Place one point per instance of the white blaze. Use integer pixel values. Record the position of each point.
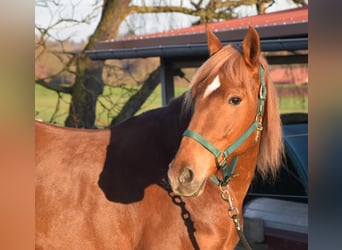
(212, 86)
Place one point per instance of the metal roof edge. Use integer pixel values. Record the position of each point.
(190, 49)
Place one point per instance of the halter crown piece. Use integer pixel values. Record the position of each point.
(221, 156)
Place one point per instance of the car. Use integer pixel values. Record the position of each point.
(292, 180)
(276, 213)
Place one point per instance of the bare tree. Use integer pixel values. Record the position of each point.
(84, 77)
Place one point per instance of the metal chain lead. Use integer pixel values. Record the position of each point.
(232, 210)
(233, 213)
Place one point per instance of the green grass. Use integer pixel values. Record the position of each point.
(108, 105)
(293, 105)
(292, 98)
(45, 105)
(113, 98)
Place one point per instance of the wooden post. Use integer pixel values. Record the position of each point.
(166, 79)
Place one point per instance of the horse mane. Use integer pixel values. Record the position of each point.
(271, 151)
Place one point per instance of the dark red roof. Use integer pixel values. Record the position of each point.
(278, 31)
(275, 18)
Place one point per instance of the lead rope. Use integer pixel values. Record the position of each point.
(233, 213)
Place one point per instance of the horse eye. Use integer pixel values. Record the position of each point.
(235, 100)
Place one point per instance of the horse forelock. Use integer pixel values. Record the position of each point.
(230, 61)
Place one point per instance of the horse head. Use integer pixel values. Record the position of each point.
(231, 116)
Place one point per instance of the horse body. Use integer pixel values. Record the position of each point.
(66, 190)
(127, 187)
(107, 189)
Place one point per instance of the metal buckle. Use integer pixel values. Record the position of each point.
(262, 92)
(221, 163)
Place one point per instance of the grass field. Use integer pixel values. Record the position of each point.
(114, 98)
(45, 105)
(108, 105)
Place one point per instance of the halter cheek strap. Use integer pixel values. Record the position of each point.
(222, 156)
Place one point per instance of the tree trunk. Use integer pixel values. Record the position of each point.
(88, 83)
(86, 89)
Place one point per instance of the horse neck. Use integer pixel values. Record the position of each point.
(245, 171)
(173, 123)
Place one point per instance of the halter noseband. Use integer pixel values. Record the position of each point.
(221, 156)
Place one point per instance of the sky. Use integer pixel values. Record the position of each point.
(47, 13)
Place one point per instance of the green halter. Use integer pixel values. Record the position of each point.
(221, 156)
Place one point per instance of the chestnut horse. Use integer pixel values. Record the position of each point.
(109, 189)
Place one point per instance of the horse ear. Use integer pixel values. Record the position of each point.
(251, 47)
(214, 43)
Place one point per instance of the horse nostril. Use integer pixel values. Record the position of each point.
(186, 176)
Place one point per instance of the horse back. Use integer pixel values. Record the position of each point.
(68, 200)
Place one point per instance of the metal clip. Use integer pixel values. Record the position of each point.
(258, 133)
(233, 212)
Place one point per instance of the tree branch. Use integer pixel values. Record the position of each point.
(161, 9)
(135, 101)
(58, 88)
(232, 4)
(223, 9)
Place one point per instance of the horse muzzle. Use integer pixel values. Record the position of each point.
(185, 184)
